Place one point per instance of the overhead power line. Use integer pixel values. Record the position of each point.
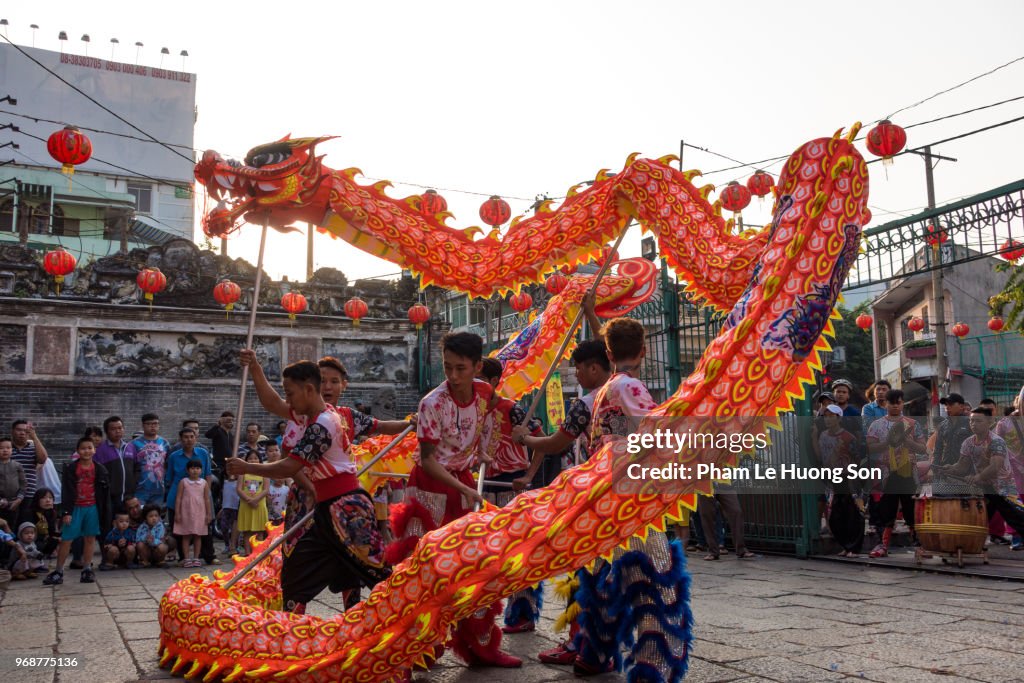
(92, 99)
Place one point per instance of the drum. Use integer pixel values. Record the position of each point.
(948, 525)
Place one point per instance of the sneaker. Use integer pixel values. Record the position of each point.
(500, 659)
(88, 576)
(582, 669)
(54, 578)
(560, 654)
(215, 560)
(104, 567)
(999, 540)
(134, 565)
(879, 551)
(524, 626)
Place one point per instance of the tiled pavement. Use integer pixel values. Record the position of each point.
(772, 619)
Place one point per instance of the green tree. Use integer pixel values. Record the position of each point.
(860, 356)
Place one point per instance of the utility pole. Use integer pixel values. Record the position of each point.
(123, 220)
(309, 252)
(938, 298)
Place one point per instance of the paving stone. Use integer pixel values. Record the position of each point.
(780, 669)
(907, 674)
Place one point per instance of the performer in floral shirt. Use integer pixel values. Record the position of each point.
(453, 424)
(305, 493)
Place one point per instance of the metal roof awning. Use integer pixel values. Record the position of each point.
(146, 231)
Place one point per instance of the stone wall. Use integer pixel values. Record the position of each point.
(67, 364)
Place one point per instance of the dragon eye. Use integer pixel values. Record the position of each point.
(267, 159)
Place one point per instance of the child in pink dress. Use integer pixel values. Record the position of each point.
(194, 512)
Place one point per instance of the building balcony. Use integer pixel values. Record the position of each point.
(917, 359)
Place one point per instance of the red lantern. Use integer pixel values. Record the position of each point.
(735, 197)
(886, 140)
(495, 211)
(59, 263)
(356, 308)
(555, 283)
(915, 324)
(293, 302)
(431, 203)
(1012, 250)
(151, 281)
(934, 236)
(961, 330)
(418, 315)
(995, 324)
(760, 183)
(864, 321)
(227, 294)
(70, 147)
(521, 302)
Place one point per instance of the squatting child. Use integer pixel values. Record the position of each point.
(119, 544)
(150, 542)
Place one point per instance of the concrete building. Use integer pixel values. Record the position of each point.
(135, 191)
(903, 356)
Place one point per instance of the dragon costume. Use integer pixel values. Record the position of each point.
(780, 284)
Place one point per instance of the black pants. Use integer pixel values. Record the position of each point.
(890, 503)
(206, 549)
(846, 522)
(1013, 513)
(321, 560)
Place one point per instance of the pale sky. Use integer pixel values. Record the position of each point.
(528, 97)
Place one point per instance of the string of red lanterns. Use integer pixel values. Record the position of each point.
(864, 321)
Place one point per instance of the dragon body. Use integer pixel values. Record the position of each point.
(780, 285)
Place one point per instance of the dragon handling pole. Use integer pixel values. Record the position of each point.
(558, 358)
(248, 338)
(309, 515)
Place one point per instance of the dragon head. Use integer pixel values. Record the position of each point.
(277, 183)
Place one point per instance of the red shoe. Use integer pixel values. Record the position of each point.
(558, 655)
(524, 626)
(500, 659)
(583, 669)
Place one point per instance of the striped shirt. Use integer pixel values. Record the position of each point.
(26, 457)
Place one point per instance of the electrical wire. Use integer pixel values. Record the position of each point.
(951, 89)
(94, 130)
(92, 99)
(94, 191)
(113, 165)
